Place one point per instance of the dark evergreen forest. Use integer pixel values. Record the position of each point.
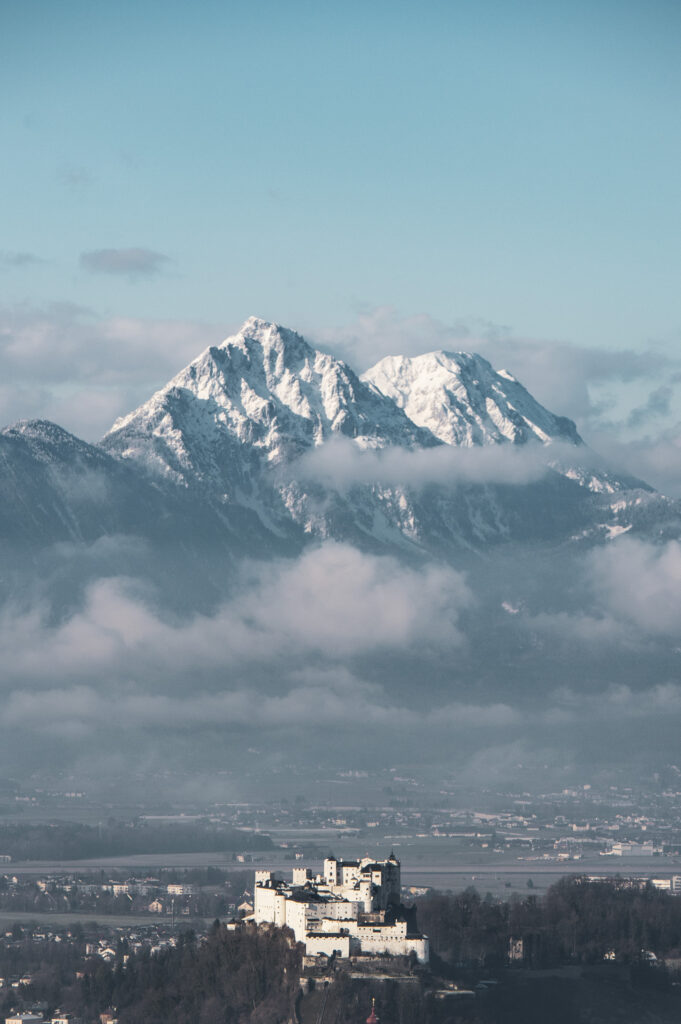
(589, 952)
(73, 841)
(577, 921)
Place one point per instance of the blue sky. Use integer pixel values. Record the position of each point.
(494, 168)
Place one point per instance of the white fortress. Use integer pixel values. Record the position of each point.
(353, 908)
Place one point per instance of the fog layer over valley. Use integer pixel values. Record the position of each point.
(274, 559)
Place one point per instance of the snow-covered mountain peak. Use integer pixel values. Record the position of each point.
(274, 341)
(283, 356)
(263, 393)
(38, 433)
(463, 400)
(33, 428)
(230, 428)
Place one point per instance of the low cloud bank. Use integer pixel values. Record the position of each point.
(62, 362)
(640, 584)
(656, 457)
(341, 464)
(344, 656)
(332, 603)
(76, 712)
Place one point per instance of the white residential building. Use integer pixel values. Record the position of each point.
(180, 889)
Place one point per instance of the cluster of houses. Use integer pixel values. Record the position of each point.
(139, 896)
(103, 946)
(36, 1017)
(106, 950)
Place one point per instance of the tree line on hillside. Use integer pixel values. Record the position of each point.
(251, 975)
(577, 921)
(52, 966)
(248, 975)
(75, 841)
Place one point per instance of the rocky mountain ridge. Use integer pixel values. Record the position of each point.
(217, 458)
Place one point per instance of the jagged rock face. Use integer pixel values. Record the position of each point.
(212, 460)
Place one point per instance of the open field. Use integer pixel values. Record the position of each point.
(56, 920)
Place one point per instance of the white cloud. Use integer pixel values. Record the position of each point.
(655, 458)
(276, 656)
(640, 584)
(62, 362)
(68, 344)
(75, 711)
(631, 595)
(340, 463)
(333, 602)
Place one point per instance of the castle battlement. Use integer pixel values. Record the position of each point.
(353, 907)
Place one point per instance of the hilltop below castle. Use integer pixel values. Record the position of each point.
(353, 908)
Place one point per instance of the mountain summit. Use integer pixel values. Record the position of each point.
(264, 443)
(234, 425)
(462, 400)
(260, 399)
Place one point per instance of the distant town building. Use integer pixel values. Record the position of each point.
(633, 849)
